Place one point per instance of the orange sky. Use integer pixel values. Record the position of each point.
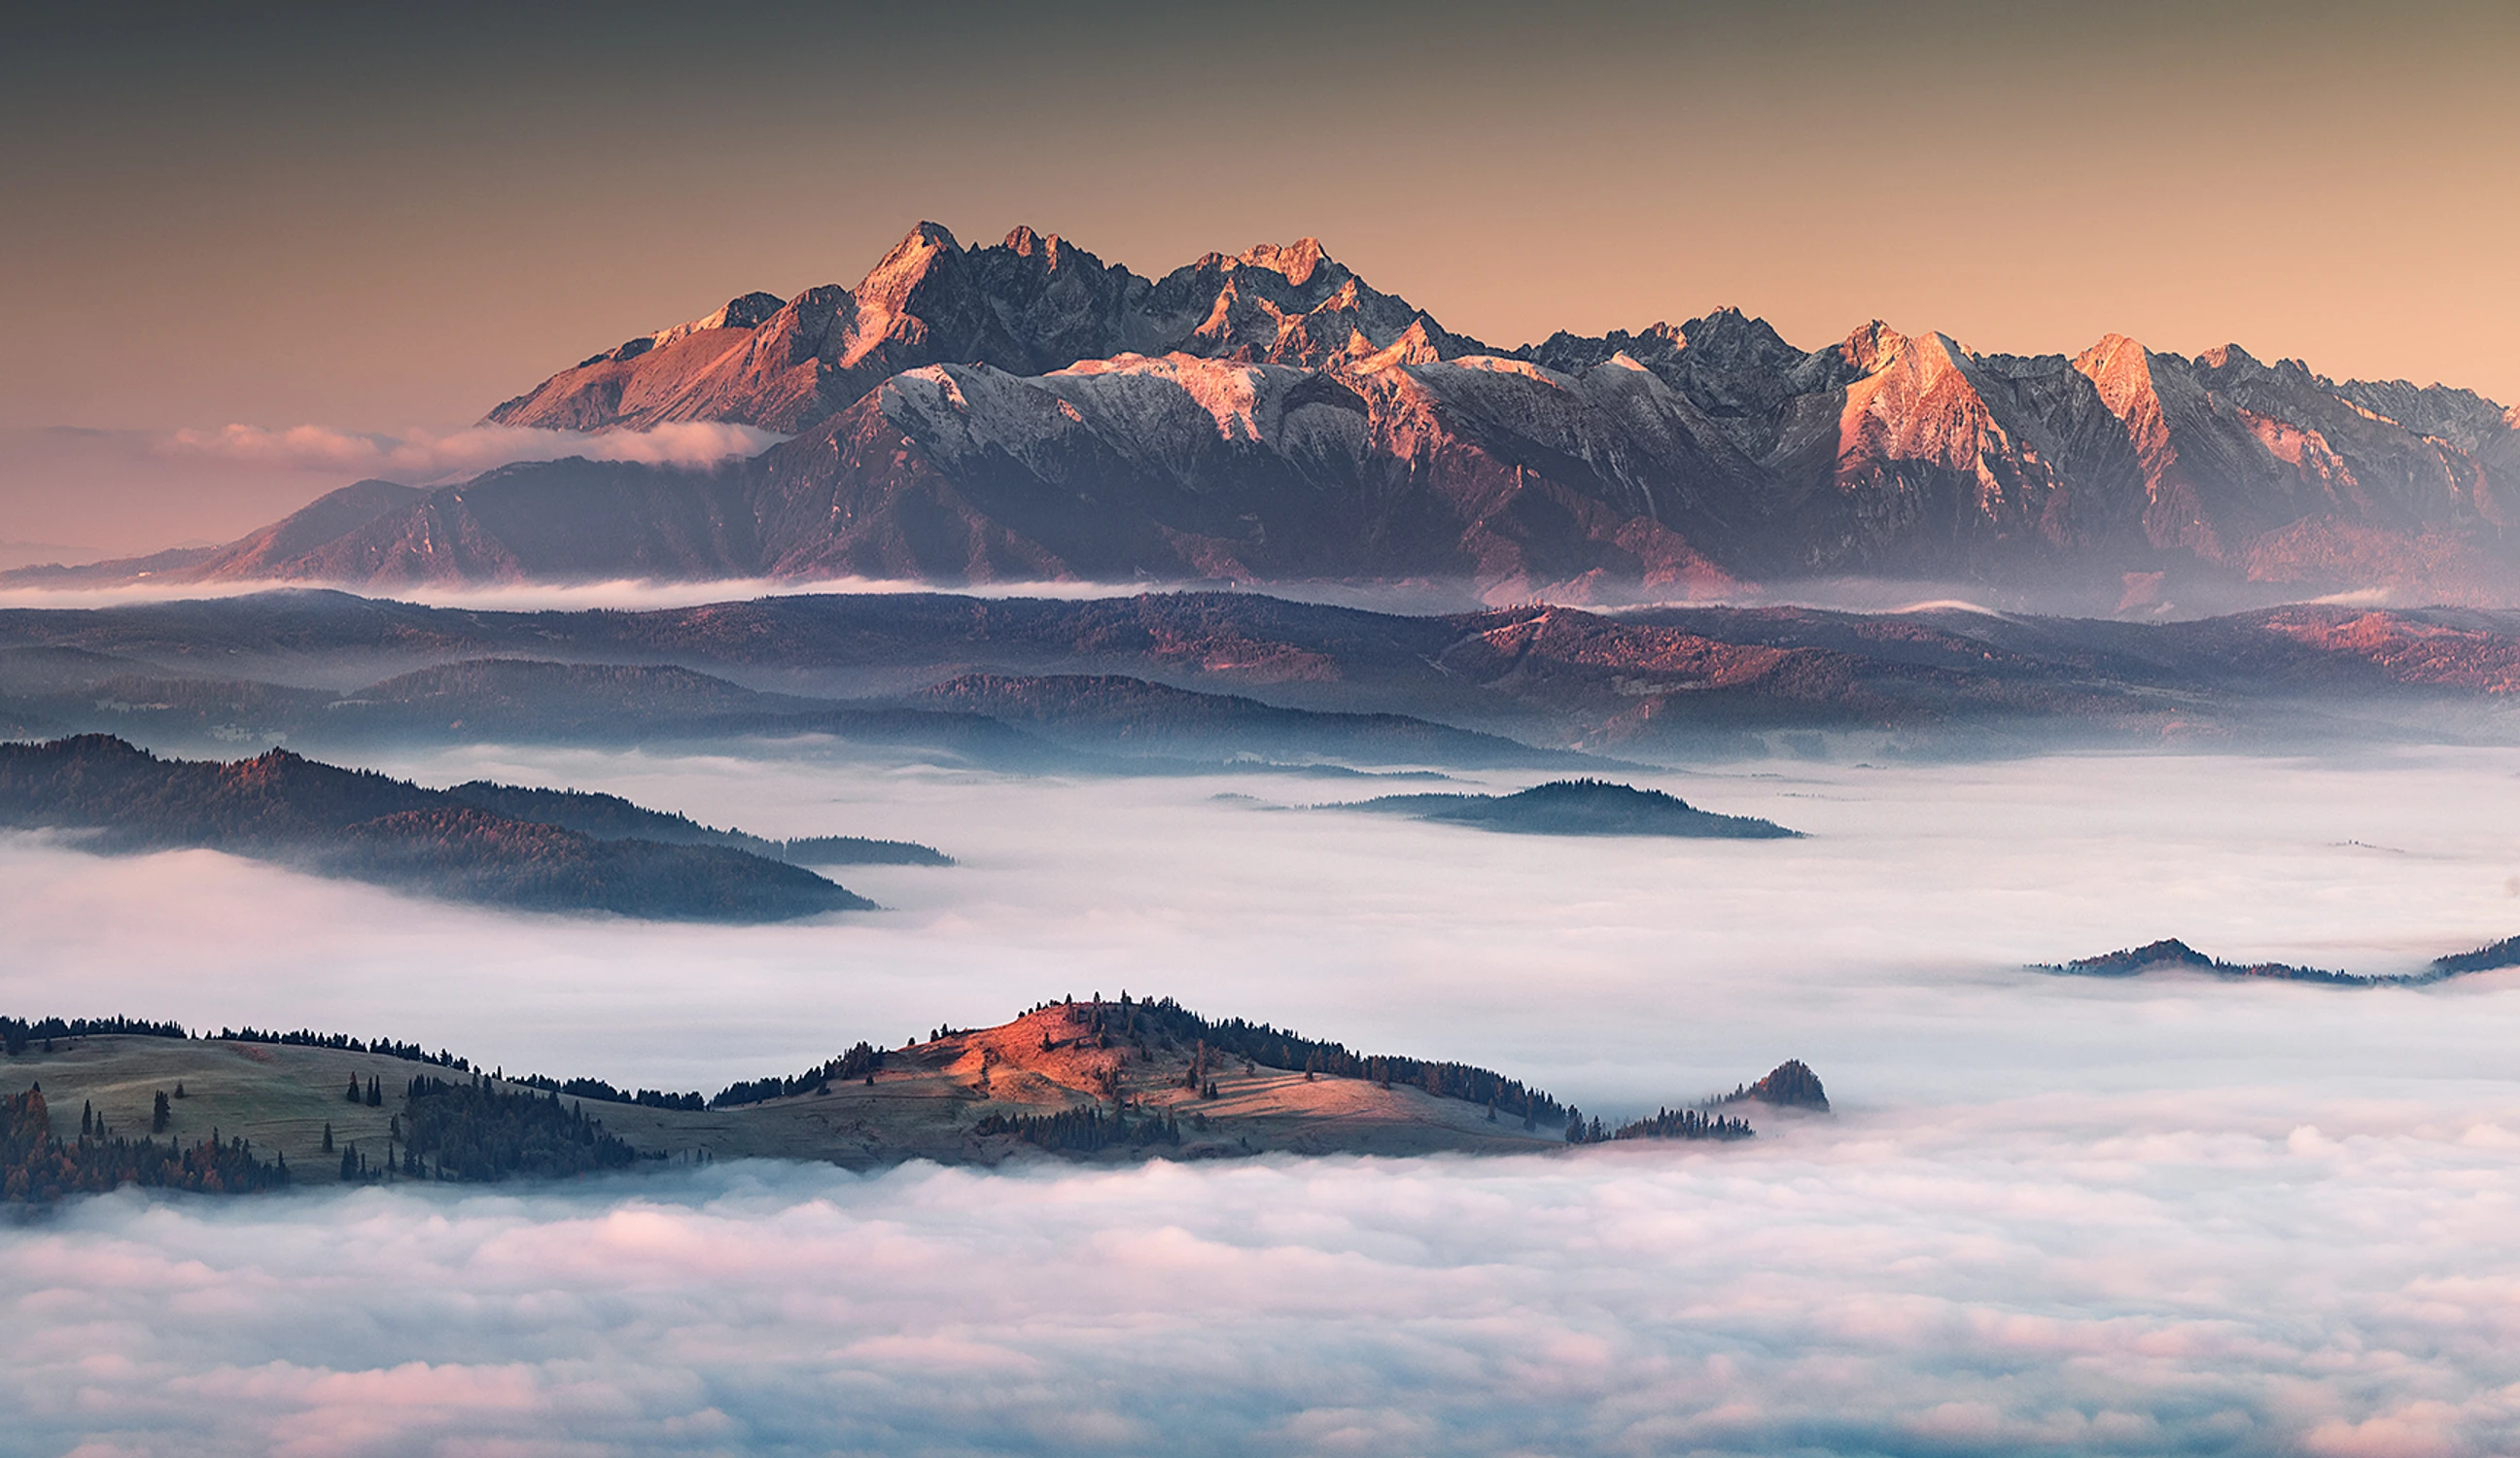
(381, 223)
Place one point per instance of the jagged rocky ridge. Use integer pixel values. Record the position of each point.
(1024, 411)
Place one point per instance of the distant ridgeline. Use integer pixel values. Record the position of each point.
(611, 817)
(534, 850)
(477, 1127)
(2173, 956)
(1576, 806)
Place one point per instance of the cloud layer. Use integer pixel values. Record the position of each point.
(421, 457)
(2053, 1216)
(1886, 948)
(2132, 1276)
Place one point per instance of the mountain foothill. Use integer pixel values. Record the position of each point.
(1178, 682)
(1080, 1078)
(498, 845)
(1024, 411)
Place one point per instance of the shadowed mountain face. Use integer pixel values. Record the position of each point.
(1024, 411)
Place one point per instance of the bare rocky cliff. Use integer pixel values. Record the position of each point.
(1024, 411)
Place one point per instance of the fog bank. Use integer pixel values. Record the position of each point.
(1886, 949)
(2137, 1275)
(2052, 1215)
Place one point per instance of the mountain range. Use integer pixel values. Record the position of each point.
(1175, 682)
(1023, 411)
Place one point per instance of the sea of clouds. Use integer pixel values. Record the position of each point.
(423, 456)
(2120, 1276)
(2049, 1215)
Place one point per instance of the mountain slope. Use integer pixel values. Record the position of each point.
(330, 668)
(1027, 305)
(1024, 411)
(360, 825)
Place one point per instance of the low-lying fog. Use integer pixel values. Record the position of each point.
(1884, 949)
(2052, 1214)
(2122, 600)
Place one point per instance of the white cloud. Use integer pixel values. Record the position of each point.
(2053, 1215)
(1951, 1281)
(628, 593)
(419, 457)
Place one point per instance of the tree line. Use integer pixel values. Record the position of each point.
(409, 1052)
(476, 1131)
(604, 1092)
(16, 1035)
(1165, 1020)
(858, 1063)
(37, 1167)
(1662, 1123)
(1083, 1130)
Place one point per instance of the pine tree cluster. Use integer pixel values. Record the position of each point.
(862, 1062)
(16, 1033)
(1082, 1130)
(36, 1167)
(1674, 1123)
(604, 1092)
(303, 1037)
(473, 1130)
(1165, 1020)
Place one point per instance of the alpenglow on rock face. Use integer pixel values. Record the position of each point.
(1024, 411)
(1028, 305)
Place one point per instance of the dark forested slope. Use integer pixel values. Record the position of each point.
(1577, 807)
(367, 826)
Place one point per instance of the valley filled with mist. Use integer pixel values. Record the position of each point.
(1137, 731)
(2046, 1213)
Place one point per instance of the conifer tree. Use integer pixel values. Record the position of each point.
(352, 1092)
(328, 1137)
(160, 1114)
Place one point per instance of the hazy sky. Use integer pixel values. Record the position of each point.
(375, 220)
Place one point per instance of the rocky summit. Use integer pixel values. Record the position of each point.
(1024, 411)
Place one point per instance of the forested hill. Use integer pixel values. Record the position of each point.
(1083, 1079)
(611, 817)
(1577, 806)
(2171, 954)
(367, 826)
